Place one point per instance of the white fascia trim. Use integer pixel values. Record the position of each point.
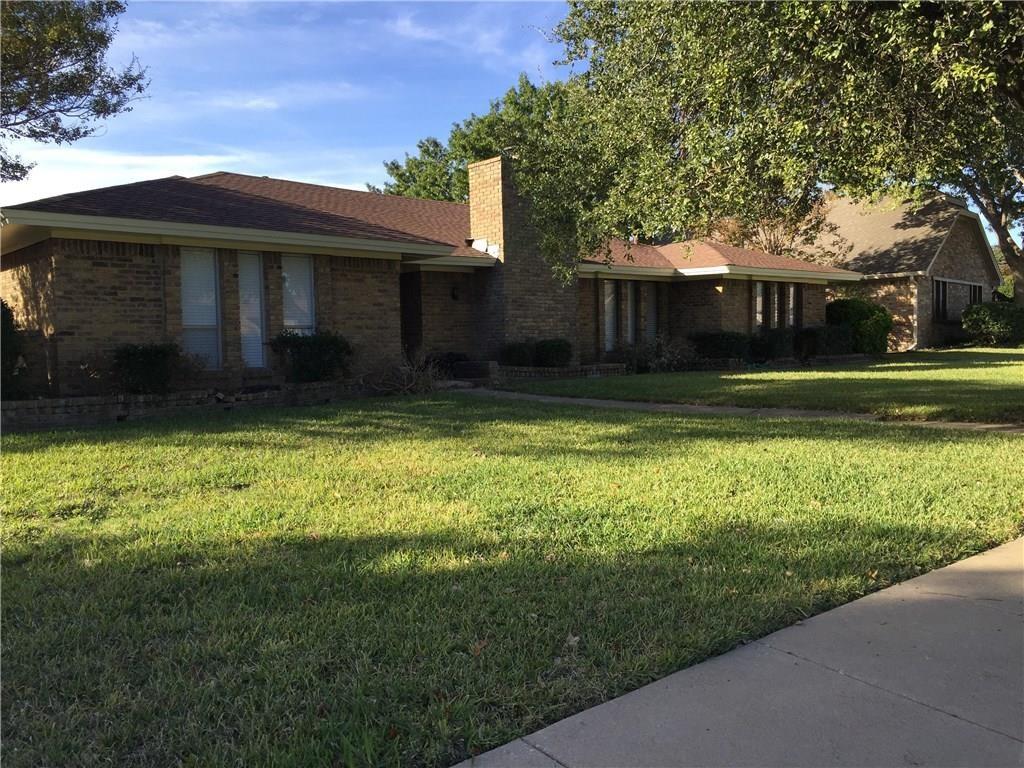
(622, 271)
(456, 261)
(959, 282)
(173, 230)
(891, 275)
(788, 274)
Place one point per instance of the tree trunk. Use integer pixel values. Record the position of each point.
(1014, 256)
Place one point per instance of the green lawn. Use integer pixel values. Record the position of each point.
(410, 581)
(969, 385)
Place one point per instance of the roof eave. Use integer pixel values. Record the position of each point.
(172, 231)
(782, 274)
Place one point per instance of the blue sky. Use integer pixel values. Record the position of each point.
(321, 92)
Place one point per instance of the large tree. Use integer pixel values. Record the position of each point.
(55, 83)
(690, 114)
(438, 171)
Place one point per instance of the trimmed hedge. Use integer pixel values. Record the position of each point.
(320, 356)
(996, 322)
(721, 346)
(870, 323)
(552, 353)
(546, 353)
(147, 369)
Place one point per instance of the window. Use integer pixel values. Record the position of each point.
(779, 310)
(940, 310)
(651, 312)
(630, 312)
(611, 315)
(759, 305)
(200, 308)
(297, 294)
(976, 294)
(250, 307)
(791, 305)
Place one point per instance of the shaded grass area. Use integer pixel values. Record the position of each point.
(413, 581)
(949, 385)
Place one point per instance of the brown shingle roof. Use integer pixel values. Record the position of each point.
(256, 202)
(696, 254)
(886, 237)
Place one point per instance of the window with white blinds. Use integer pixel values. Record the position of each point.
(631, 312)
(611, 315)
(651, 307)
(297, 294)
(200, 308)
(759, 305)
(250, 307)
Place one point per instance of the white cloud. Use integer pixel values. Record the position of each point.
(60, 170)
(63, 169)
(287, 95)
(482, 36)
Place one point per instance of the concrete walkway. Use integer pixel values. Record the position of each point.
(735, 410)
(928, 672)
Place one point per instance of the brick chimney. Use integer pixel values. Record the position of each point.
(489, 191)
(522, 298)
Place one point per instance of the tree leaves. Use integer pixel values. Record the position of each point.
(55, 80)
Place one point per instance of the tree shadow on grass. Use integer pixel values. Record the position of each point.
(417, 648)
(616, 433)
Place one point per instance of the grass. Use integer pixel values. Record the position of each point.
(411, 581)
(951, 385)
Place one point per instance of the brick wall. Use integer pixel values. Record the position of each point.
(521, 298)
(587, 320)
(82, 298)
(813, 305)
(26, 284)
(365, 309)
(735, 307)
(694, 307)
(964, 256)
(898, 295)
(451, 312)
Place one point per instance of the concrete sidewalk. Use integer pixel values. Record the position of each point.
(928, 672)
(737, 410)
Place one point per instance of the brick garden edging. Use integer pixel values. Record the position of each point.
(22, 415)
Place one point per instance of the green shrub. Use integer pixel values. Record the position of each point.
(663, 355)
(870, 323)
(518, 353)
(320, 356)
(147, 369)
(722, 345)
(808, 343)
(778, 342)
(10, 352)
(996, 322)
(552, 353)
(838, 340)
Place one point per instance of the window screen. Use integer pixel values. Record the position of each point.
(297, 293)
(250, 307)
(611, 315)
(651, 312)
(200, 310)
(631, 312)
(759, 305)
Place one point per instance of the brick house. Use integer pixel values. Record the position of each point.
(924, 264)
(222, 263)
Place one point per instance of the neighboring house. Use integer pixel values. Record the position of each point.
(924, 264)
(222, 263)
